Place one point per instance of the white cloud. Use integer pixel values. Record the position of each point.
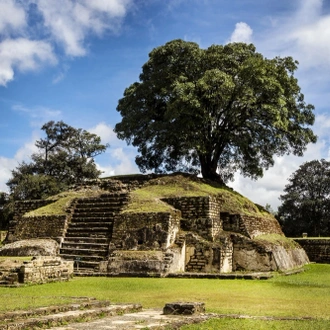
(6, 166)
(65, 22)
(105, 132)
(23, 154)
(303, 34)
(119, 158)
(69, 22)
(112, 7)
(12, 17)
(24, 55)
(61, 74)
(118, 161)
(242, 33)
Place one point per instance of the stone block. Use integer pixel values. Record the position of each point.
(184, 308)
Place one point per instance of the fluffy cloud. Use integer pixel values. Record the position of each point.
(22, 154)
(105, 132)
(24, 55)
(303, 34)
(12, 17)
(6, 166)
(69, 22)
(65, 22)
(119, 158)
(242, 33)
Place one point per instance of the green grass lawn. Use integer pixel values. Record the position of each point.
(302, 295)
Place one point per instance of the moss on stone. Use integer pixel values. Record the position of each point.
(277, 239)
(61, 202)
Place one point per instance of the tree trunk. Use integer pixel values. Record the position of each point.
(209, 171)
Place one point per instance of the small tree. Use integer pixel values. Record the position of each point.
(65, 156)
(214, 110)
(306, 202)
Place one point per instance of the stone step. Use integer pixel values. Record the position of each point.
(81, 271)
(86, 240)
(84, 245)
(85, 252)
(83, 259)
(106, 197)
(100, 229)
(84, 234)
(104, 200)
(77, 218)
(92, 224)
(93, 214)
(54, 317)
(100, 204)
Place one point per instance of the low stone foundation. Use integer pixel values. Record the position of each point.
(44, 270)
(39, 270)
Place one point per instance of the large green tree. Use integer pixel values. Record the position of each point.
(65, 156)
(306, 202)
(214, 110)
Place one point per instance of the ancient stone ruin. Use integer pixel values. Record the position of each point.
(194, 234)
(36, 271)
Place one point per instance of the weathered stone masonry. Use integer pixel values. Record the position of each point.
(21, 208)
(195, 236)
(199, 214)
(318, 250)
(45, 270)
(37, 271)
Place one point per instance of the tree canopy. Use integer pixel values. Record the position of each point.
(65, 156)
(306, 202)
(214, 110)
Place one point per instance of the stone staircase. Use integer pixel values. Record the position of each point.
(89, 233)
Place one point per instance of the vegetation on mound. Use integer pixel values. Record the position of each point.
(61, 202)
(277, 239)
(148, 198)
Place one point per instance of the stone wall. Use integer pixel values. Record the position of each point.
(203, 256)
(41, 227)
(44, 270)
(145, 230)
(22, 207)
(250, 226)
(199, 214)
(111, 185)
(318, 250)
(140, 263)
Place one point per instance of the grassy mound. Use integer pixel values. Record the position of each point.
(148, 198)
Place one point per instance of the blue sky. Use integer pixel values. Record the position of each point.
(71, 60)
